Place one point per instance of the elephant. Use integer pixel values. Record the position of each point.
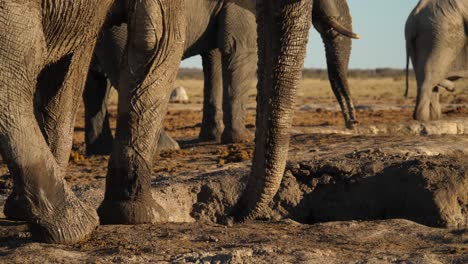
(228, 49)
(46, 47)
(437, 43)
(42, 49)
(336, 32)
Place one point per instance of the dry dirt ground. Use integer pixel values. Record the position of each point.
(391, 191)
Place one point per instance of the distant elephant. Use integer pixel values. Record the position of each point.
(45, 50)
(227, 45)
(335, 30)
(437, 43)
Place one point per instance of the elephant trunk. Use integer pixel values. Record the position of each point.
(282, 37)
(338, 51)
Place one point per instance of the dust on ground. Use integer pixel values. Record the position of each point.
(328, 208)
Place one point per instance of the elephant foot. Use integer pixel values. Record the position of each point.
(242, 213)
(72, 223)
(236, 136)
(15, 208)
(131, 212)
(210, 134)
(166, 142)
(351, 124)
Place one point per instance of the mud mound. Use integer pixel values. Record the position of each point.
(365, 185)
(372, 185)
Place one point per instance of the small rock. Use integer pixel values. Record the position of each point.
(179, 95)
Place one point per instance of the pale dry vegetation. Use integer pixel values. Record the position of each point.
(388, 90)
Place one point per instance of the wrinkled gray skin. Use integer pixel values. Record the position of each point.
(98, 136)
(335, 30)
(37, 164)
(227, 45)
(437, 43)
(45, 50)
(282, 29)
(332, 20)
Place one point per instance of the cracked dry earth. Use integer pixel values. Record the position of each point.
(391, 191)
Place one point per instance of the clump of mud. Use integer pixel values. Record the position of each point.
(217, 199)
(172, 153)
(366, 185)
(76, 157)
(6, 184)
(236, 153)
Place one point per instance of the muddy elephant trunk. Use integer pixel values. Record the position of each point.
(283, 28)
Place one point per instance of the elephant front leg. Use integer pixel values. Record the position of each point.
(98, 135)
(150, 64)
(212, 124)
(51, 209)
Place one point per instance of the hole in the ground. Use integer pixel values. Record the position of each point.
(368, 185)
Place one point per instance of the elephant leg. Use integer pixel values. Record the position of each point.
(281, 53)
(447, 85)
(154, 50)
(338, 51)
(98, 135)
(237, 73)
(212, 124)
(52, 210)
(435, 111)
(435, 51)
(237, 42)
(430, 69)
(48, 94)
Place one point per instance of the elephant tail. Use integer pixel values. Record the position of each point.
(407, 71)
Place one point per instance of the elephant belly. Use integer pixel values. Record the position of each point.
(201, 35)
(69, 24)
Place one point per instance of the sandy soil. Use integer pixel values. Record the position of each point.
(391, 191)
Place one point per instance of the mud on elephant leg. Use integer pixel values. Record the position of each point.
(48, 85)
(154, 51)
(98, 135)
(212, 123)
(281, 57)
(52, 210)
